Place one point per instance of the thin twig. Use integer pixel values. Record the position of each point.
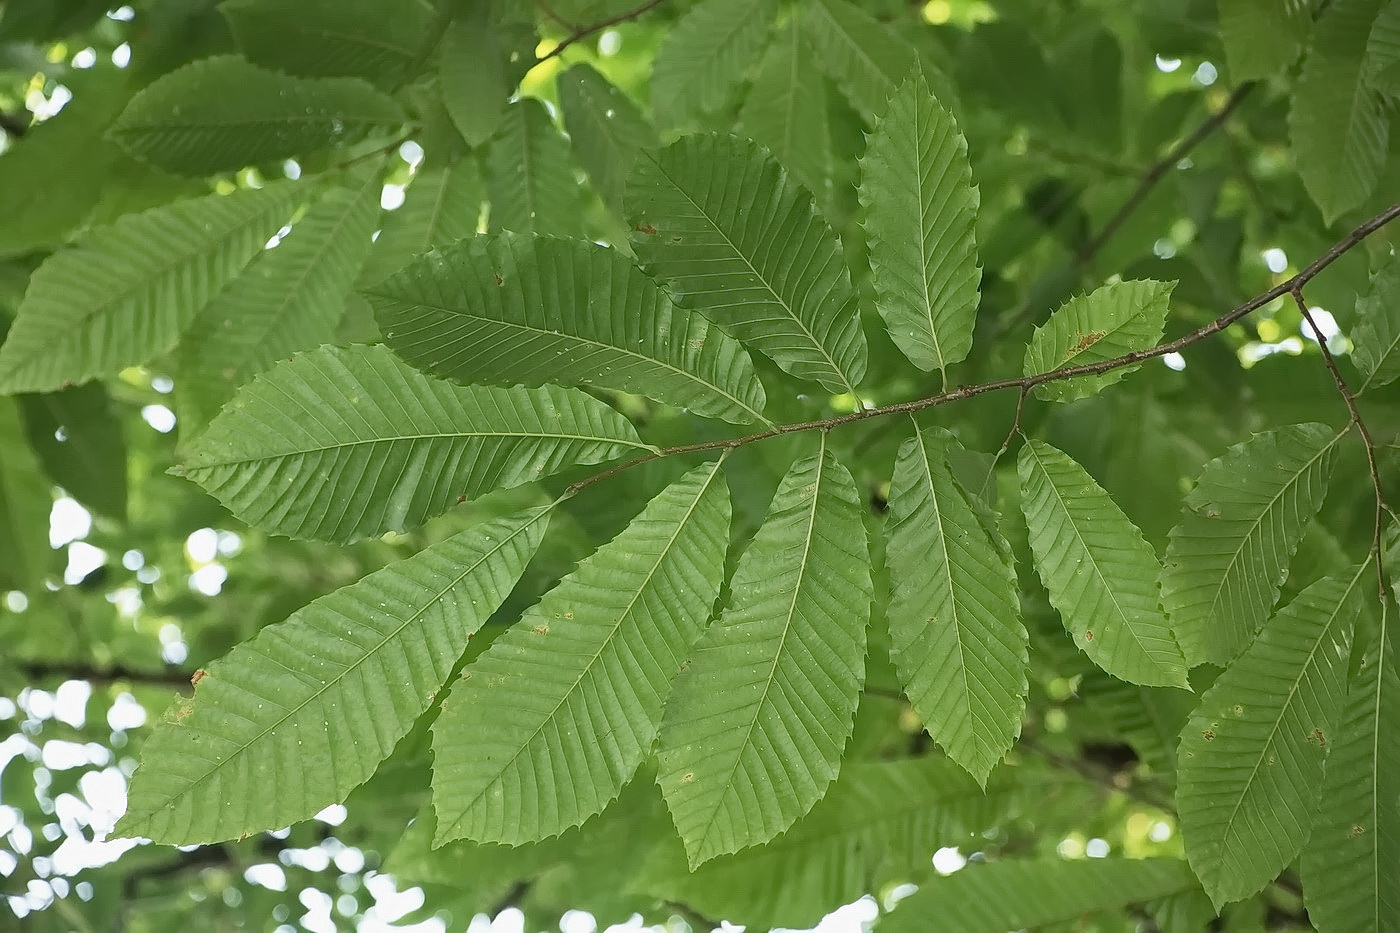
(583, 32)
(1158, 171)
(1022, 384)
(1103, 777)
(1087, 253)
(98, 673)
(1359, 424)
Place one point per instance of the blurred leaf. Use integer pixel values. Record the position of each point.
(331, 38)
(606, 129)
(472, 78)
(122, 294)
(920, 204)
(773, 278)
(1251, 757)
(705, 57)
(530, 179)
(441, 206)
(1009, 895)
(758, 718)
(290, 299)
(1111, 321)
(222, 113)
(955, 622)
(1376, 337)
(342, 444)
(867, 59)
(547, 726)
(328, 692)
(1263, 37)
(1229, 553)
(1099, 570)
(515, 310)
(786, 111)
(1337, 125)
(24, 507)
(78, 438)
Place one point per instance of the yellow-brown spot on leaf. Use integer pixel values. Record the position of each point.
(1357, 832)
(646, 228)
(197, 676)
(1085, 342)
(1208, 735)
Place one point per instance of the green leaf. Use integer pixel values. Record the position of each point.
(518, 310)
(331, 38)
(1263, 37)
(546, 727)
(472, 78)
(1110, 321)
(25, 498)
(1099, 570)
(530, 179)
(123, 293)
(1249, 767)
(786, 111)
(879, 820)
(291, 721)
(722, 224)
(1014, 895)
(441, 206)
(706, 56)
(606, 129)
(920, 204)
(1338, 125)
(1383, 51)
(222, 113)
(341, 444)
(1349, 878)
(866, 58)
(954, 614)
(1229, 553)
(290, 299)
(52, 177)
(1376, 337)
(78, 438)
(756, 723)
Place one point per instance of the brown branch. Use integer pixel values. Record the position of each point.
(583, 32)
(1359, 424)
(103, 673)
(1023, 384)
(1103, 777)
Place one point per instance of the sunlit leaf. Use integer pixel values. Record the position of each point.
(954, 615)
(1250, 762)
(774, 276)
(123, 293)
(1229, 553)
(289, 722)
(920, 203)
(1099, 570)
(1263, 37)
(1109, 322)
(341, 444)
(756, 723)
(546, 727)
(222, 113)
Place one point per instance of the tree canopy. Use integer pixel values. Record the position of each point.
(682, 462)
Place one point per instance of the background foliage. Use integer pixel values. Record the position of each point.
(698, 461)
